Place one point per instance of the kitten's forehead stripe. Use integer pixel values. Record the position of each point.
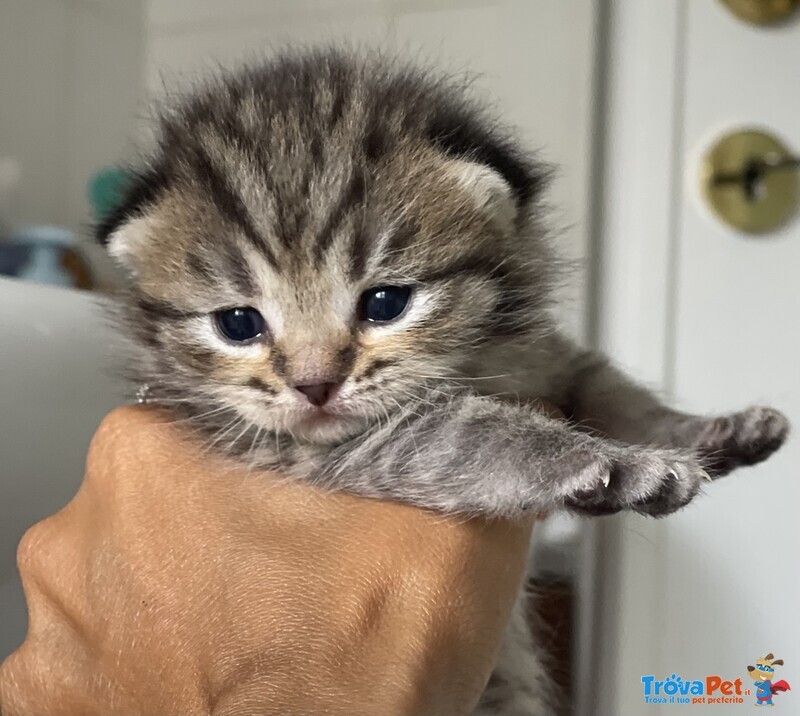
(351, 196)
(359, 253)
(402, 236)
(230, 203)
(341, 95)
(238, 270)
(200, 268)
(477, 264)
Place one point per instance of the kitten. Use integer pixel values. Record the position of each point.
(339, 270)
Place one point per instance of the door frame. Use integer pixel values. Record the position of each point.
(638, 179)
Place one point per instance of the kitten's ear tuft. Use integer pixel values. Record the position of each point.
(489, 189)
(127, 242)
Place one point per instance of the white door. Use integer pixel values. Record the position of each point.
(711, 315)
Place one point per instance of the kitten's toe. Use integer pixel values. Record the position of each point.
(744, 438)
(651, 481)
(676, 485)
(583, 478)
(591, 494)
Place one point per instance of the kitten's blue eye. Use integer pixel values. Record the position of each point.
(240, 325)
(384, 303)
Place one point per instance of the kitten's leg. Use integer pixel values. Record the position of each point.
(601, 398)
(477, 455)
(520, 684)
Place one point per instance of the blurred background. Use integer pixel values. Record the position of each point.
(674, 125)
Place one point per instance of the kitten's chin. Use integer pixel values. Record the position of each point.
(326, 428)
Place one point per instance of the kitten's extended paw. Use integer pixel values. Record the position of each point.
(744, 438)
(652, 481)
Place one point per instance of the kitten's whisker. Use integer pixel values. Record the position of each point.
(256, 436)
(457, 378)
(233, 442)
(200, 416)
(222, 433)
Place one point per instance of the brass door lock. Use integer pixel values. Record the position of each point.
(750, 180)
(762, 12)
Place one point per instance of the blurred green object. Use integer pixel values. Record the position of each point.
(106, 191)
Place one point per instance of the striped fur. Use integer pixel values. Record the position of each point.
(293, 187)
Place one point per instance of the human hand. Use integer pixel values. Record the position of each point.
(178, 583)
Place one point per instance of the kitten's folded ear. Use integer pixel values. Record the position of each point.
(124, 230)
(127, 242)
(488, 189)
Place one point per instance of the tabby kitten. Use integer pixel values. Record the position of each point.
(338, 270)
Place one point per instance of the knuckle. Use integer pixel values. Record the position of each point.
(51, 574)
(35, 544)
(18, 690)
(42, 678)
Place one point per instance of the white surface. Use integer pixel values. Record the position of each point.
(709, 590)
(70, 83)
(55, 387)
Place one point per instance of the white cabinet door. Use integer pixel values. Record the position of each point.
(56, 384)
(711, 315)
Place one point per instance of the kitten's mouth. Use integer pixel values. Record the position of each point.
(320, 416)
(325, 426)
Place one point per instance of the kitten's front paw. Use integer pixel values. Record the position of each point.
(744, 438)
(648, 480)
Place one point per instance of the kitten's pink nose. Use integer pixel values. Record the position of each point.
(319, 393)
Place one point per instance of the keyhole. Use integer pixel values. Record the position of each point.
(753, 180)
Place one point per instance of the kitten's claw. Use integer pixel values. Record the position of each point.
(658, 481)
(652, 481)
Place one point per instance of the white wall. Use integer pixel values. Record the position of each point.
(71, 84)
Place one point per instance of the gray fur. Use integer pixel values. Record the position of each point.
(294, 186)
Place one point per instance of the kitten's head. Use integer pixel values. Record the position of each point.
(317, 238)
